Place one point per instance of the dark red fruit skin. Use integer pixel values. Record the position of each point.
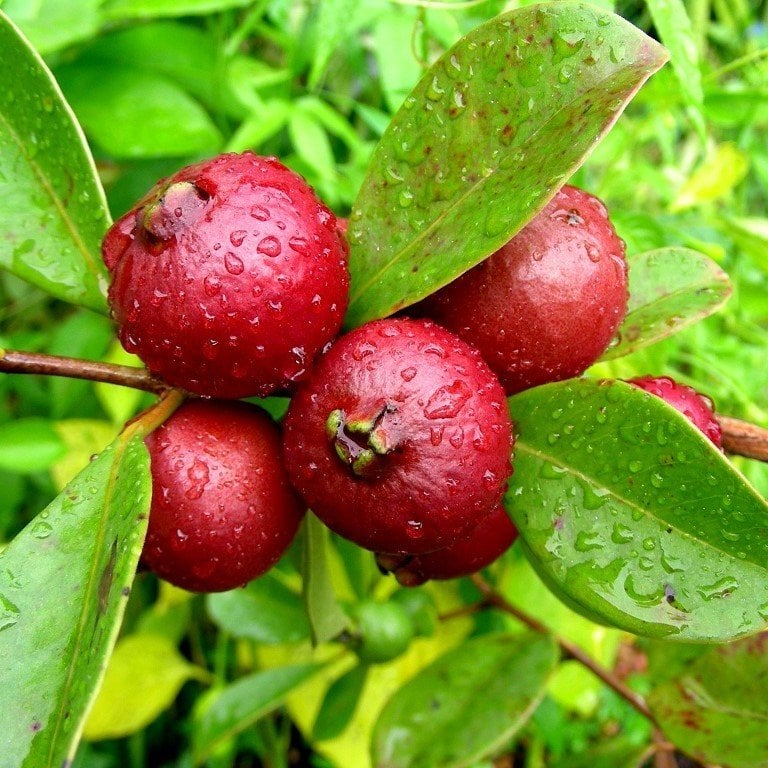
(223, 511)
(228, 277)
(437, 416)
(546, 305)
(486, 542)
(695, 406)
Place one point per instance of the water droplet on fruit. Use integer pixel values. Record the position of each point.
(237, 237)
(363, 350)
(414, 529)
(436, 435)
(408, 374)
(447, 401)
(269, 246)
(457, 437)
(593, 254)
(299, 244)
(260, 213)
(212, 285)
(234, 264)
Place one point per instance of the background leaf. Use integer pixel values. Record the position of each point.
(633, 517)
(716, 710)
(264, 610)
(137, 114)
(53, 24)
(669, 289)
(132, 9)
(495, 126)
(64, 581)
(241, 704)
(464, 705)
(54, 213)
(29, 445)
(326, 618)
(144, 675)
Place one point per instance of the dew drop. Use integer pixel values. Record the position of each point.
(269, 246)
(408, 374)
(42, 530)
(447, 401)
(237, 237)
(234, 264)
(9, 613)
(212, 285)
(299, 244)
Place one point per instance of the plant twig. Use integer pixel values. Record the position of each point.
(743, 438)
(12, 361)
(570, 649)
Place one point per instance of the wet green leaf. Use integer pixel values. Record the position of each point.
(241, 704)
(54, 213)
(144, 675)
(64, 582)
(669, 289)
(326, 617)
(716, 710)
(633, 517)
(133, 113)
(53, 24)
(265, 610)
(466, 704)
(494, 127)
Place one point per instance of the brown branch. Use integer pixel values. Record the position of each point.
(571, 650)
(743, 438)
(53, 365)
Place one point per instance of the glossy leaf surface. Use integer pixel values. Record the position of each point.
(64, 583)
(716, 710)
(241, 704)
(669, 289)
(464, 705)
(633, 517)
(54, 213)
(487, 136)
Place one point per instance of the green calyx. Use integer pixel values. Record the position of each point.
(360, 443)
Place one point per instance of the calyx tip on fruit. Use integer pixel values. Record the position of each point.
(175, 209)
(361, 442)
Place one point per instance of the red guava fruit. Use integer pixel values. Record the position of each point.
(400, 439)
(486, 542)
(228, 277)
(695, 406)
(546, 305)
(223, 511)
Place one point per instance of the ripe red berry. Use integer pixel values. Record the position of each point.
(546, 305)
(698, 408)
(222, 509)
(228, 277)
(400, 439)
(486, 542)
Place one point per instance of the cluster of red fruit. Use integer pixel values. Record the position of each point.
(230, 280)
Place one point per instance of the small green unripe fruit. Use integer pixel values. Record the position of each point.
(385, 631)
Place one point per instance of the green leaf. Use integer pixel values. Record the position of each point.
(676, 33)
(619, 752)
(133, 113)
(265, 610)
(329, 32)
(339, 703)
(465, 705)
(150, 9)
(669, 289)
(64, 583)
(29, 445)
(633, 517)
(54, 213)
(326, 617)
(717, 710)
(397, 65)
(488, 135)
(82, 438)
(241, 704)
(54, 24)
(144, 675)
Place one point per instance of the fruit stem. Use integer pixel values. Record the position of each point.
(492, 598)
(743, 438)
(12, 361)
